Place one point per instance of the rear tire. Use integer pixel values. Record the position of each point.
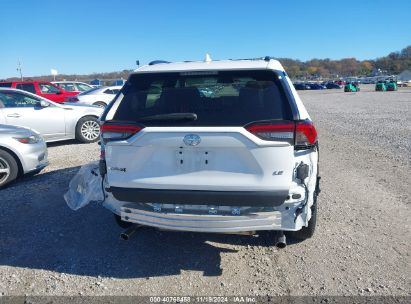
(100, 104)
(88, 129)
(122, 223)
(8, 168)
(307, 232)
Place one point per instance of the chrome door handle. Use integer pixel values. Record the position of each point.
(15, 115)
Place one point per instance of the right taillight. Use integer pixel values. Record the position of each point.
(273, 131)
(111, 132)
(305, 134)
(301, 133)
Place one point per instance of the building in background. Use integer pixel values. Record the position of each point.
(97, 82)
(404, 76)
(119, 82)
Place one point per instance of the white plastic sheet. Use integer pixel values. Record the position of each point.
(85, 187)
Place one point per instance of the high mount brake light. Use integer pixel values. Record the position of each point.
(111, 132)
(302, 134)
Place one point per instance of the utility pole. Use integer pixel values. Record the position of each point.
(19, 69)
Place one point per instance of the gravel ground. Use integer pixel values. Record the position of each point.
(361, 246)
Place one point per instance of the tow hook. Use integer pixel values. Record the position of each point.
(126, 234)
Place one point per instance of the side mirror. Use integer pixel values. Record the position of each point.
(44, 104)
(59, 92)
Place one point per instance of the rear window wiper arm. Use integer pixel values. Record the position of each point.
(169, 116)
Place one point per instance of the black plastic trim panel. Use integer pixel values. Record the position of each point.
(200, 197)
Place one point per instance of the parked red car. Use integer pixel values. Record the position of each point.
(42, 88)
(340, 82)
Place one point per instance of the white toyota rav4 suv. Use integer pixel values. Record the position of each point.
(215, 146)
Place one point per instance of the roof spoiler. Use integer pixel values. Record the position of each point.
(158, 62)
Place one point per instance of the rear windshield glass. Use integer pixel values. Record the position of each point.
(224, 98)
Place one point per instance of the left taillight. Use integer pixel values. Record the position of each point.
(110, 132)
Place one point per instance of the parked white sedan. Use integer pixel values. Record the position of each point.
(101, 96)
(54, 121)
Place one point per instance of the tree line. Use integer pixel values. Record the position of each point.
(393, 64)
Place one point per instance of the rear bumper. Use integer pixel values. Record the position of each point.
(200, 197)
(203, 223)
(275, 220)
(279, 218)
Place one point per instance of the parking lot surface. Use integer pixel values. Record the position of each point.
(361, 246)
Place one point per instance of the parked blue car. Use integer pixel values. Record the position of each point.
(316, 86)
(332, 85)
(301, 86)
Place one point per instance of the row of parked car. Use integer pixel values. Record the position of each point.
(23, 150)
(66, 91)
(317, 86)
(386, 86)
(390, 85)
(60, 110)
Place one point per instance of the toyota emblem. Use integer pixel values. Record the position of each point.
(192, 139)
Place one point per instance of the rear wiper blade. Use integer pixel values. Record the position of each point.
(169, 116)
